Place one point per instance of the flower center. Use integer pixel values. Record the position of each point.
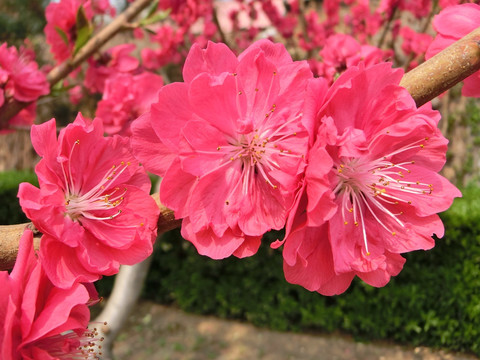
(101, 197)
(72, 345)
(376, 187)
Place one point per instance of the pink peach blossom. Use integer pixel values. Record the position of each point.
(126, 97)
(20, 77)
(237, 142)
(93, 205)
(115, 60)
(342, 51)
(61, 19)
(372, 191)
(414, 44)
(453, 23)
(39, 320)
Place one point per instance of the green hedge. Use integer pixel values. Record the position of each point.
(10, 210)
(435, 301)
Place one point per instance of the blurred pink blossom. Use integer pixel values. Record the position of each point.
(115, 60)
(125, 98)
(20, 77)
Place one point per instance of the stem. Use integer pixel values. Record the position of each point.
(13, 107)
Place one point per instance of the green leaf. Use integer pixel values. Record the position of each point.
(62, 34)
(152, 8)
(84, 30)
(156, 17)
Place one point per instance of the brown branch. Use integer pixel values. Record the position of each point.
(9, 239)
(444, 70)
(13, 107)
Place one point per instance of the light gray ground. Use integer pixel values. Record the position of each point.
(160, 333)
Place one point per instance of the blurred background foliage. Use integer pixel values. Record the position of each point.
(20, 19)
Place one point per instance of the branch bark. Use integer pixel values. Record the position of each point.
(13, 107)
(444, 70)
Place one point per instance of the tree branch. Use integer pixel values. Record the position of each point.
(13, 107)
(444, 70)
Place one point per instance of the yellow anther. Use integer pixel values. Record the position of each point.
(350, 210)
(227, 202)
(234, 74)
(368, 253)
(232, 158)
(239, 93)
(256, 89)
(422, 146)
(218, 148)
(345, 223)
(394, 233)
(356, 223)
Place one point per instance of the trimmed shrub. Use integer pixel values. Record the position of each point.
(10, 210)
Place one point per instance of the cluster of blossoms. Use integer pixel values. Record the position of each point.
(20, 79)
(247, 143)
(251, 143)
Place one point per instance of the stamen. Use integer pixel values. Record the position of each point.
(376, 186)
